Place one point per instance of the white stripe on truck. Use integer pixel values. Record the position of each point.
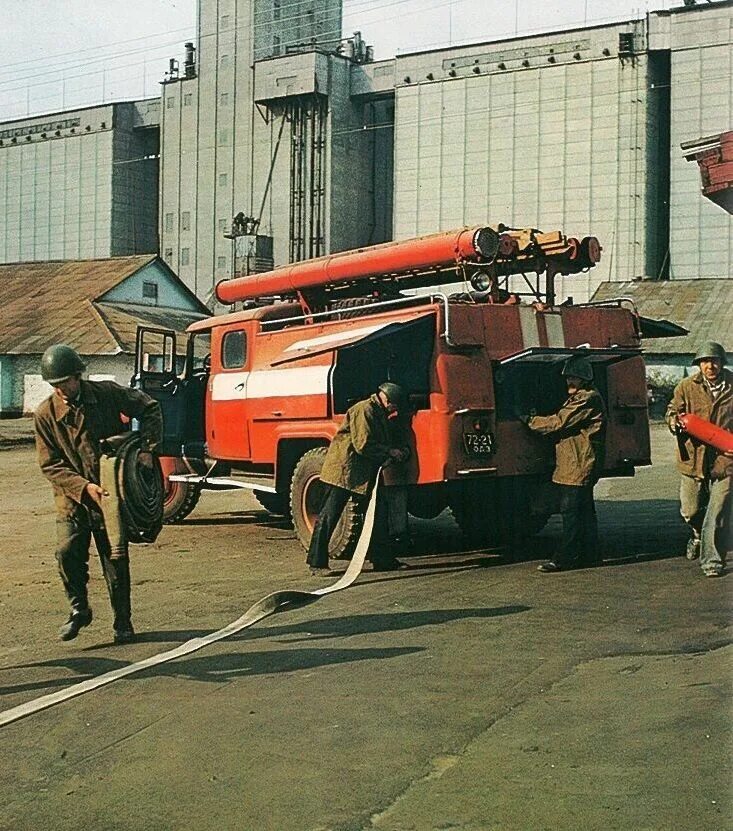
(269, 383)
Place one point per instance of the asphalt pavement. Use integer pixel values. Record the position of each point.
(461, 693)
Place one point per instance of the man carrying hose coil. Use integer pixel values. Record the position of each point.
(365, 442)
(69, 426)
(706, 473)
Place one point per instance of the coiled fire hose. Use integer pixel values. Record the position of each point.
(132, 504)
(276, 602)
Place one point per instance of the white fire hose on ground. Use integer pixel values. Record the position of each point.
(269, 605)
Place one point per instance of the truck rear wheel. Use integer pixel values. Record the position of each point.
(306, 498)
(179, 498)
(473, 505)
(499, 512)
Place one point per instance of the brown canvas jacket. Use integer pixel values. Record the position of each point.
(692, 395)
(578, 430)
(360, 447)
(67, 437)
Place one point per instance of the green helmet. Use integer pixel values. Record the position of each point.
(395, 394)
(578, 367)
(710, 349)
(60, 362)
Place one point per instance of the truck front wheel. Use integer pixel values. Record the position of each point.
(306, 498)
(273, 503)
(179, 498)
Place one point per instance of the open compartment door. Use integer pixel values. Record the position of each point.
(532, 379)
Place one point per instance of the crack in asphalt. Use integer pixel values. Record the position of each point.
(442, 763)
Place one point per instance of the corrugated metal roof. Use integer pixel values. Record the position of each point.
(123, 320)
(53, 302)
(703, 307)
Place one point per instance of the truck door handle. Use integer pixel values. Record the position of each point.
(239, 386)
(277, 412)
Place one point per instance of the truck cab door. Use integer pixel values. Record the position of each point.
(227, 406)
(157, 366)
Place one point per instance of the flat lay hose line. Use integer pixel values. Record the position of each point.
(271, 604)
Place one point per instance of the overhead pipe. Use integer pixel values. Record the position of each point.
(435, 251)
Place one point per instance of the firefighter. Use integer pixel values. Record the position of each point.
(578, 429)
(69, 425)
(364, 443)
(706, 473)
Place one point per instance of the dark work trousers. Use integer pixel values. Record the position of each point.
(333, 505)
(579, 526)
(73, 537)
(381, 547)
(335, 499)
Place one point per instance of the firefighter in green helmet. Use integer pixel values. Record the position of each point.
(706, 473)
(69, 426)
(373, 433)
(578, 429)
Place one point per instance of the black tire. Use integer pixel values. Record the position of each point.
(306, 498)
(426, 501)
(179, 500)
(501, 512)
(274, 503)
(473, 505)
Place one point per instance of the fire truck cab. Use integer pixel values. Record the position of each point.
(263, 390)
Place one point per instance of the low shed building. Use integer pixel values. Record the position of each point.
(94, 306)
(703, 307)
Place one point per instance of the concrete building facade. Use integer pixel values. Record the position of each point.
(700, 44)
(577, 130)
(557, 131)
(315, 148)
(80, 184)
(211, 129)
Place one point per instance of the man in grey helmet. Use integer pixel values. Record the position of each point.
(69, 426)
(706, 473)
(578, 429)
(365, 441)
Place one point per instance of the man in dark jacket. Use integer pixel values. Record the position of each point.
(705, 483)
(69, 425)
(578, 429)
(365, 441)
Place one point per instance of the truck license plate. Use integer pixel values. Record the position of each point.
(478, 444)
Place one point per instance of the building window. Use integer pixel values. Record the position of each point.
(276, 10)
(188, 99)
(222, 180)
(233, 350)
(224, 22)
(224, 61)
(223, 225)
(185, 256)
(150, 291)
(223, 136)
(224, 99)
(168, 255)
(275, 45)
(169, 102)
(186, 221)
(169, 223)
(221, 263)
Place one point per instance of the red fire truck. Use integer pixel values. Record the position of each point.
(261, 391)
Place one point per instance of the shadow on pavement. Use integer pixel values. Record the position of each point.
(242, 518)
(224, 667)
(215, 668)
(367, 624)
